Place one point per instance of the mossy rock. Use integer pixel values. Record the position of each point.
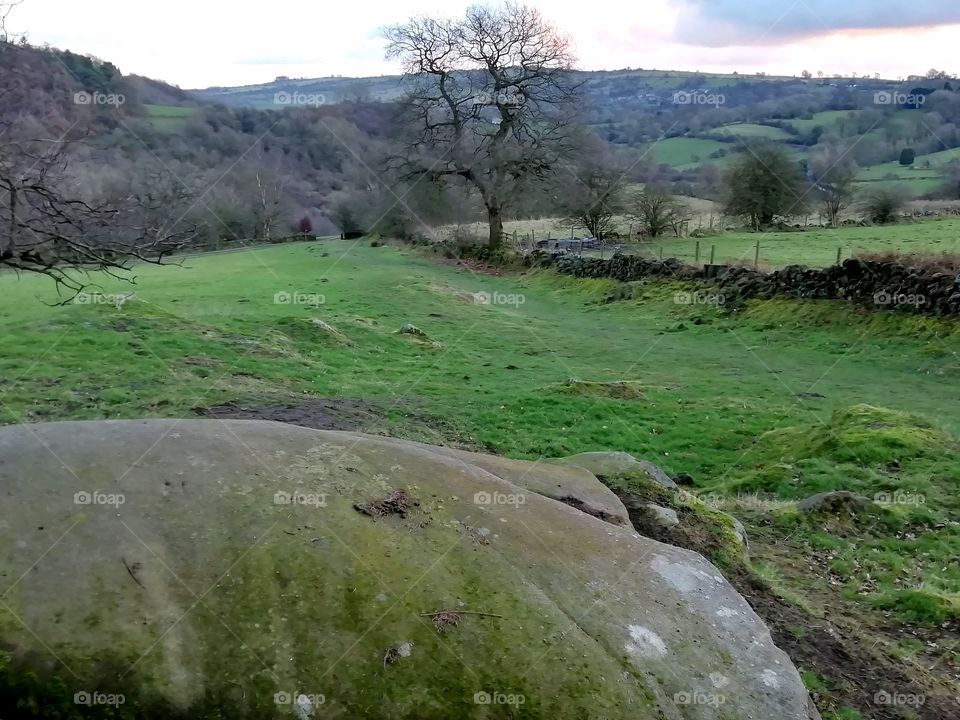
(572, 485)
(860, 434)
(621, 465)
(713, 533)
(261, 570)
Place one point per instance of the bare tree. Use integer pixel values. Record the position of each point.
(269, 202)
(833, 173)
(490, 101)
(591, 193)
(657, 211)
(47, 227)
(6, 7)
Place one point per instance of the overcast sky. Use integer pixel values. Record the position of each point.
(197, 43)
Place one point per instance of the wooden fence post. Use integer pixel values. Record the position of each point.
(756, 257)
(713, 253)
(696, 253)
(839, 251)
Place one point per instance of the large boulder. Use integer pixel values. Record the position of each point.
(617, 464)
(572, 485)
(249, 569)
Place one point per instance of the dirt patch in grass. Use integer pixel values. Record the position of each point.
(852, 670)
(322, 414)
(403, 418)
(474, 265)
(616, 390)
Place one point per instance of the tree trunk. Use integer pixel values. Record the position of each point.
(495, 219)
(9, 246)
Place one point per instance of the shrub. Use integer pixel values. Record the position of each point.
(883, 205)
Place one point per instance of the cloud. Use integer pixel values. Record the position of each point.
(720, 23)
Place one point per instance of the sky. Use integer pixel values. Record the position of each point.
(201, 43)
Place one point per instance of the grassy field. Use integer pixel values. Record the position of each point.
(168, 118)
(682, 152)
(752, 130)
(925, 175)
(821, 119)
(815, 247)
(761, 406)
(685, 153)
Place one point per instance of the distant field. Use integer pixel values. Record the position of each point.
(924, 166)
(686, 153)
(752, 130)
(925, 175)
(682, 152)
(168, 118)
(821, 119)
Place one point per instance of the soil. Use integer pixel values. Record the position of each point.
(351, 415)
(321, 414)
(855, 671)
(478, 266)
(398, 503)
(839, 655)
